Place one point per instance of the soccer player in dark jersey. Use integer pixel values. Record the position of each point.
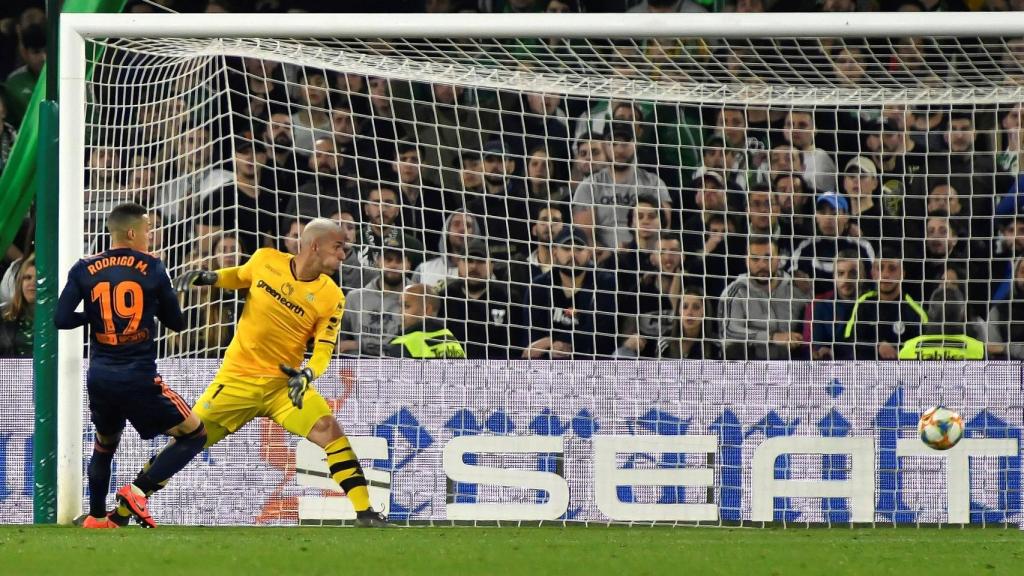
(124, 290)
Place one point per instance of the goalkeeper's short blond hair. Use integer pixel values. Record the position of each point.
(317, 228)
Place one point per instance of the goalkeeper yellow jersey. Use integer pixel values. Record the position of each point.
(281, 317)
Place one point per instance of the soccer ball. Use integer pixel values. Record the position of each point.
(940, 428)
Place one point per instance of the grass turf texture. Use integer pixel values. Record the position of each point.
(536, 551)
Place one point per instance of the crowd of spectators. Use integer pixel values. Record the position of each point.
(534, 225)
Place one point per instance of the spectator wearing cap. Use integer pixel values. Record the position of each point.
(819, 167)
(762, 310)
(423, 334)
(22, 81)
(373, 314)
(572, 308)
(602, 202)
(885, 317)
(471, 172)
(814, 258)
(711, 236)
(479, 311)
(501, 210)
(437, 272)
(867, 218)
(705, 178)
(243, 206)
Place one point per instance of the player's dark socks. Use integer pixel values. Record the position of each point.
(346, 471)
(171, 459)
(146, 467)
(99, 477)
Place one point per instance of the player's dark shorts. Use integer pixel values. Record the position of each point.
(147, 402)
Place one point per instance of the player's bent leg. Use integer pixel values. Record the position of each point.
(99, 480)
(316, 423)
(345, 470)
(188, 439)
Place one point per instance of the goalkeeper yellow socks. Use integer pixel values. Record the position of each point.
(346, 471)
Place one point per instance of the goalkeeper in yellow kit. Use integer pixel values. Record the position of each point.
(292, 300)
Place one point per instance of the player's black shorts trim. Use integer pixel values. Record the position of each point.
(147, 402)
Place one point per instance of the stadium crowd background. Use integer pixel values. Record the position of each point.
(536, 226)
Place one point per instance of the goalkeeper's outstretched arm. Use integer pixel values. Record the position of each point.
(234, 278)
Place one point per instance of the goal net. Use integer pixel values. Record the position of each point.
(789, 213)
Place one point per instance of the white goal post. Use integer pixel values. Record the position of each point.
(77, 29)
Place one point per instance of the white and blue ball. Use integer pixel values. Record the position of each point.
(940, 428)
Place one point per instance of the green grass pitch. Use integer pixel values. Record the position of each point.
(619, 550)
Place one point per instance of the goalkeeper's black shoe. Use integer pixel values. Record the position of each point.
(372, 519)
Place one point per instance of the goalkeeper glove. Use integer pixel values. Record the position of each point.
(195, 278)
(298, 383)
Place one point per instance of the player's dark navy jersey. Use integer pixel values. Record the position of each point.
(124, 291)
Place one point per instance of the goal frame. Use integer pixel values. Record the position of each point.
(75, 29)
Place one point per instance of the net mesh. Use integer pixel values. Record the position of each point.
(836, 150)
(784, 199)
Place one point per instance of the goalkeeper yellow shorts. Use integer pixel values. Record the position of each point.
(230, 403)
